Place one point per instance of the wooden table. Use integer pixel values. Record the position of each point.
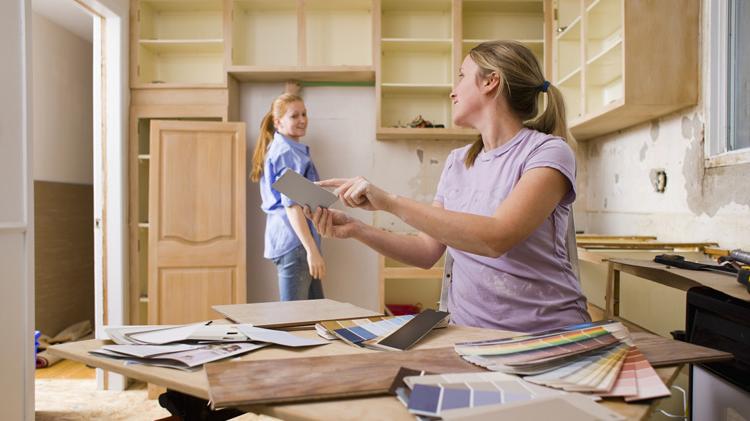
(373, 408)
(682, 279)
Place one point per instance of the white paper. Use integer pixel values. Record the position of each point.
(218, 333)
(163, 336)
(118, 333)
(186, 359)
(147, 351)
(278, 337)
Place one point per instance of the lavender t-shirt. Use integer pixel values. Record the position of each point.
(532, 287)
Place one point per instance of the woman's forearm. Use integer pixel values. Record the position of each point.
(416, 250)
(299, 225)
(476, 234)
(532, 200)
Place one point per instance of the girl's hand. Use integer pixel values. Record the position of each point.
(316, 264)
(358, 192)
(332, 223)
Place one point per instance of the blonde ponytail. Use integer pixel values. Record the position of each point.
(261, 146)
(522, 86)
(267, 130)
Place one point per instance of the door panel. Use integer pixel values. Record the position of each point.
(196, 219)
(187, 294)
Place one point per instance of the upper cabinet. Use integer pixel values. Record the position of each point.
(316, 40)
(177, 43)
(420, 45)
(622, 62)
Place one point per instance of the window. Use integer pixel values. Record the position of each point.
(728, 129)
(739, 76)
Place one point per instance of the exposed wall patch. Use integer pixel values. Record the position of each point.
(654, 130)
(658, 180)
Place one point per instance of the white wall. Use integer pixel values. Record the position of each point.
(16, 220)
(341, 135)
(699, 204)
(62, 104)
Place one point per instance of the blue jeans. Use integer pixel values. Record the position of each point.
(295, 282)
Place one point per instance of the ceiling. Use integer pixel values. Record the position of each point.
(66, 13)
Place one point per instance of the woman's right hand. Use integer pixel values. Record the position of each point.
(332, 223)
(359, 192)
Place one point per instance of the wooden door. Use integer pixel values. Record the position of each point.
(196, 219)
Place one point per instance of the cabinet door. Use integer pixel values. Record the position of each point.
(197, 219)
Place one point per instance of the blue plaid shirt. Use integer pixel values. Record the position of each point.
(283, 154)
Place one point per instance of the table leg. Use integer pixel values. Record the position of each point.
(612, 298)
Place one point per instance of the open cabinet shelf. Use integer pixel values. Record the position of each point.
(338, 32)
(612, 66)
(177, 43)
(421, 45)
(314, 40)
(264, 33)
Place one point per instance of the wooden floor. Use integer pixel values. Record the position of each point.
(66, 369)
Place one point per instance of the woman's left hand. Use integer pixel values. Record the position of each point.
(358, 192)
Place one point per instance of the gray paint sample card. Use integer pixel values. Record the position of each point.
(304, 191)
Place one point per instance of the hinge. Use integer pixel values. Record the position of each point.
(138, 15)
(555, 15)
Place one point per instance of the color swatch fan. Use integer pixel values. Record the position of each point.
(597, 358)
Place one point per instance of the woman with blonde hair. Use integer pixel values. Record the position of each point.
(290, 240)
(502, 203)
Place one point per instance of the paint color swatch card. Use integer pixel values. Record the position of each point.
(597, 358)
(433, 394)
(303, 191)
(567, 407)
(412, 331)
(356, 332)
(593, 373)
(637, 380)
(533, 343)
(542, 360)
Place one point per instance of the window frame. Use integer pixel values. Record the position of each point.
(717, 127)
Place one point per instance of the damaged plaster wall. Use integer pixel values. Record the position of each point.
(618, 171)
(411, 169)
(698, 203)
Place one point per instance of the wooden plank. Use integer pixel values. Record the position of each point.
(304, 379)
(338, 73)
(639, 244)
(581, 237)
(683, 279)
(292, 313)
(662, 352)
(399, 133)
